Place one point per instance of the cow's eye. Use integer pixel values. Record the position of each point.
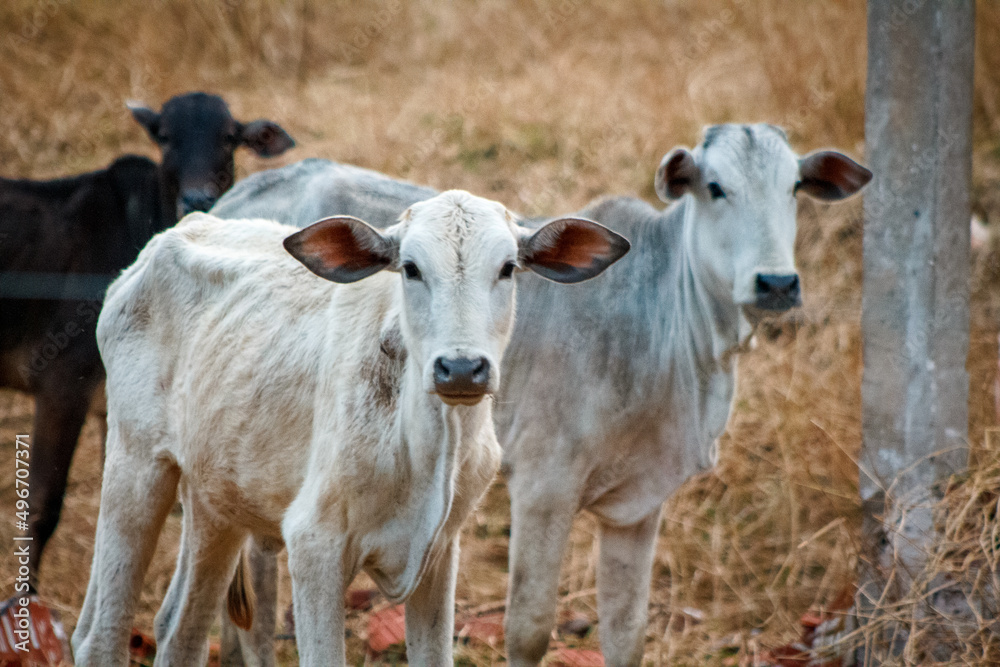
(795, 190)
(507, 271)
(411, 271)
(716, 191)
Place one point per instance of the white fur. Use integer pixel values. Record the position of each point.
(616, 392)
(284, 406)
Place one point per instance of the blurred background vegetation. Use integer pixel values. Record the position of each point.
(544, 105)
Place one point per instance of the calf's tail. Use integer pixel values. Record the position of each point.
(241, 599)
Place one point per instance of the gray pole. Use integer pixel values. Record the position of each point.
(915, 303)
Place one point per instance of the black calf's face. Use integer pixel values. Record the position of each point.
(198, 137)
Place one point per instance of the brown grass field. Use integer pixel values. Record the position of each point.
(544, 105)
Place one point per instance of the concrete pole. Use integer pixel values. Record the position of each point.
(915, 303)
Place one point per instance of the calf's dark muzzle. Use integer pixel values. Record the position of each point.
(777, 292)
(461, 380)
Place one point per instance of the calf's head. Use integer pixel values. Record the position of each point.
(198, 137)
(457, 256)
(743, 181)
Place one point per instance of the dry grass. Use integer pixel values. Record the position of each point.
(544, 105)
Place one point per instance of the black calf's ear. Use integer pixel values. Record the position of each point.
(265, 138)
(676, 175)
(830, 175)
(571, 250)
(342, 249)
(146, 117)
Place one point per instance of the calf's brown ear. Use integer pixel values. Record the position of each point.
(265, 138)
(571, 250)
(676, 175)
(342, 249)
(830, 175)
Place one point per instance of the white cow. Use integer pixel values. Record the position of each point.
(615, 394)
(345, 420)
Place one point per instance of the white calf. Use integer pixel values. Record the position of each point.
(344, 420)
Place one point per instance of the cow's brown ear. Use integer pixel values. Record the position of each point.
(265, 138)
(677, 174)
(571, 250)
(830, 175)
(146, 117)
(342, 249)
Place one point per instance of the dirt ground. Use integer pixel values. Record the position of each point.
(543, 105)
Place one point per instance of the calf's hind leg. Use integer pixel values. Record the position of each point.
(59, 417)
(255, 648)
(205, 566)
(136, 497)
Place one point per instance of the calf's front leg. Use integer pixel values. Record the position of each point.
(540, 524)
(624, 569)
(430, 611)
(320, 574)
(136, 497)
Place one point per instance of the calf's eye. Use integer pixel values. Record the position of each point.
(411, 271)
(507, 271)
(716, 191)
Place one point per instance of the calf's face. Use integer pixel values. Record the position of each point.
(198, 137)
(743, 181)
(457, 256)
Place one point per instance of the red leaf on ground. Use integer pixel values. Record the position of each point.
(811, 619)
(214, 659)
(487, 629)
(361, 599)
(47, 643)
(141, 645)
(386, 628)
(576, 657)
(789, 655)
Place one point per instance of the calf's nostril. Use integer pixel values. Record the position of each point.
(481, 373)
(441, 372)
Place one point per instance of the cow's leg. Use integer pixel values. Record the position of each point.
(540, 524)
(430, 611)
(320, 568)
(59, 417)
(213, 548)
(256, 647)
(136, 497)
(623, 575)
(169, 609)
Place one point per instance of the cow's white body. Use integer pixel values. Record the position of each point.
(297, 410)
(276, 406)
(616, 393)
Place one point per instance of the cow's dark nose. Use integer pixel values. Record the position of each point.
(778, 292)
(196, 200)
(461, 379)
